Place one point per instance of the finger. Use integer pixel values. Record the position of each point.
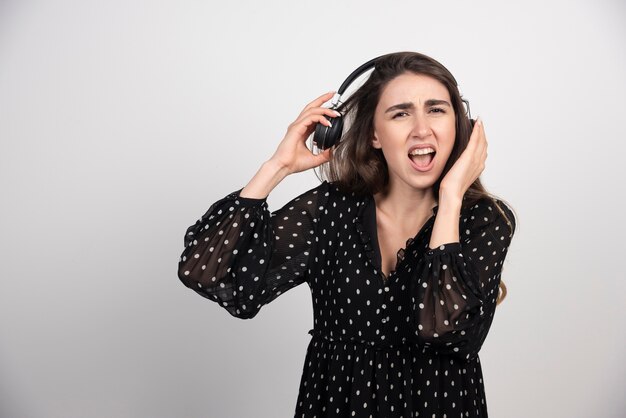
(483, 137)
(473, 139)
(306, 125)
(320, 100)
(326, 155)
(318, 111)
(480, 130)
(483, 143)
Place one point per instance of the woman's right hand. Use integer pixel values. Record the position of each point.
(292, 152)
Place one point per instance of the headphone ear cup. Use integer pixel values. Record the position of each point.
(328, 136)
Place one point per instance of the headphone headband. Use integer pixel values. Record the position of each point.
(350, 79)
(356, 73)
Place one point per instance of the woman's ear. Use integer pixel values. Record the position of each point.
(376, 142)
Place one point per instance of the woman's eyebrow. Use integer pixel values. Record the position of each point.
(410, 105)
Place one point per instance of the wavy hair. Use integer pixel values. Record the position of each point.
(356, 166)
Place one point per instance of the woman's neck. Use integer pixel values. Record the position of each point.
(407, 207)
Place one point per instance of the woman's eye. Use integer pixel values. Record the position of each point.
(399, 114)
(437, 110)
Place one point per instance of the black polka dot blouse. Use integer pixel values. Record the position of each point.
(405, 345)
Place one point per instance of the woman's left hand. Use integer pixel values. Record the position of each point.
(469, 165)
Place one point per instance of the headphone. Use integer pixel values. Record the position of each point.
(328, 136)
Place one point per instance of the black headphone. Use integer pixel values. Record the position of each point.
(328, 136)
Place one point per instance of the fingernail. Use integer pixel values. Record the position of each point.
(331, 125)
(337, 113)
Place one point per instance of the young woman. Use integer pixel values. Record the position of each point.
(401, 245)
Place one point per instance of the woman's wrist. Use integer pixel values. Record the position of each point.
(451, 198)
(266, 178)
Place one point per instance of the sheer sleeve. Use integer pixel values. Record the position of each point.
(454, 298)
(242, 257)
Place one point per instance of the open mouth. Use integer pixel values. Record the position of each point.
(423, 161)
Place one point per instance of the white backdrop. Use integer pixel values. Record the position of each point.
(122, 121)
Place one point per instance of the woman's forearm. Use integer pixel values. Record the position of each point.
(446, 227)
(264, 181)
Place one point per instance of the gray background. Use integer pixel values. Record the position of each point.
(122, 121)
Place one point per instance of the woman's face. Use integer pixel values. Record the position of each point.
(414, 109)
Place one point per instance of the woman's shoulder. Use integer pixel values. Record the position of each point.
(317, 191)
(488, 210)
(344, 198)
(487, 204)
(334, 198)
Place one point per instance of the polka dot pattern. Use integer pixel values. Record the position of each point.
(405, 345)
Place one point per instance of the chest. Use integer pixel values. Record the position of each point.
(392, 242)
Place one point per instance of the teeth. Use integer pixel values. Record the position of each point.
(422, 151)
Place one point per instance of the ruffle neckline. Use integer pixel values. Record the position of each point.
(365, 223)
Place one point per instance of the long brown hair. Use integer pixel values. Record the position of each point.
(356, 166)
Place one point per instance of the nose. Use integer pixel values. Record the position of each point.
(421, 126)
